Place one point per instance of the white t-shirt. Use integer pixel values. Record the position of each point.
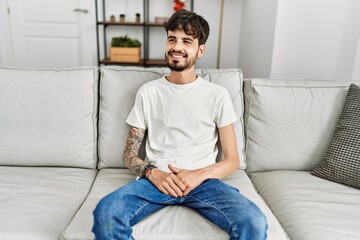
(182, 121)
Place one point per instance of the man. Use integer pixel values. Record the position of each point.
(183, 115)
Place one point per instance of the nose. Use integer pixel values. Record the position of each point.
(177, 46)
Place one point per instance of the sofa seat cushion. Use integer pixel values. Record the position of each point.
(156, 226)
(39, 203)
(309, 207)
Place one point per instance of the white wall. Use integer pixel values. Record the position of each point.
(231, 32)
(356, 67)
(210, 10)
(349, 45)
(315, 39)
(256, 37)
(300, 39)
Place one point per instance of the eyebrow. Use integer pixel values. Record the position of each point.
(187, 39)
(184, 38)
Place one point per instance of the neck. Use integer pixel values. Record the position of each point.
(183, 77)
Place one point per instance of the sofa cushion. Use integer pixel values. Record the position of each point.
(341, 162)
(156, 226)
(309, 207)
(118, 88)
(48, 117)
(288, 122)
(39, 203)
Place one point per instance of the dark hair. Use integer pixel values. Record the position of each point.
(192, 24)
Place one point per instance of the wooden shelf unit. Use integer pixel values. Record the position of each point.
(146, 25)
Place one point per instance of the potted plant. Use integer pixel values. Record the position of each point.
(125, 49)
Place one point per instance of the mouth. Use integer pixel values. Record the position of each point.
(177, 55)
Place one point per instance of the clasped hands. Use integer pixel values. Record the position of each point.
(179, 182)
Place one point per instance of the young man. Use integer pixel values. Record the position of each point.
(183, 115)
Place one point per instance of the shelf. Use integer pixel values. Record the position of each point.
(138, 24)
(154, 24)
(150, 62)
(108, 61)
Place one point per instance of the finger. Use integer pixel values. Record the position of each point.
(178, 182)
(163, 190)
(176, 189)
(187, 191)
(170, 191)
(174, 169)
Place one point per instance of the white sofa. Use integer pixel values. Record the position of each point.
(63, 132)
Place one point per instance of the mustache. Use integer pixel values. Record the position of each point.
(178, 52)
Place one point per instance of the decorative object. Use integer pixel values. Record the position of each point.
(341, 162)
(161, 20)
(137, 17)
(179, 4)
(112, 18)
(125, 49)
(122, 17)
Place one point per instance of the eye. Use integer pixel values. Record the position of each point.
(187, 41)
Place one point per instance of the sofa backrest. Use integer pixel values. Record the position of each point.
(289, 123)
(118, 88)
(48, 117)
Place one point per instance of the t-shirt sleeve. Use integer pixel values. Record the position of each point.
(136, 116)
(225, 114)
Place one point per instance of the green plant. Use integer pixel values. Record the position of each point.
(125, 41)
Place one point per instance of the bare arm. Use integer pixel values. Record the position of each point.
(131, 151)
(167, 183)
(193, 178)
(231, 156)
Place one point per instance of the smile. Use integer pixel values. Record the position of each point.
(177, 55)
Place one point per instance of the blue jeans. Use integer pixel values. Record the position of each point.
(214, 200)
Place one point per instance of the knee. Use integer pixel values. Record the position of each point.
(110, 206)
(252, 225)
(103, 209)
(256, 224)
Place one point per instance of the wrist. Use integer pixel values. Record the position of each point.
(148, 170)
(206, 173)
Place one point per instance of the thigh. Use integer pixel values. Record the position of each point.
(219, 194)
(133, 201)
(220, 203)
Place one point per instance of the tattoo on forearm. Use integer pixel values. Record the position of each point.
(131, 151)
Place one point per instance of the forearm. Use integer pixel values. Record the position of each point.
(221, 169)
(130, 157)
(231, 161)
(135, 164)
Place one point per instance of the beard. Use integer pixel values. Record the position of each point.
(176, 66)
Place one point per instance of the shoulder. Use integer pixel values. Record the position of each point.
(150, 86)
(215, 89)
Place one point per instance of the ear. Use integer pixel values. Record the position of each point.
(201, 51)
